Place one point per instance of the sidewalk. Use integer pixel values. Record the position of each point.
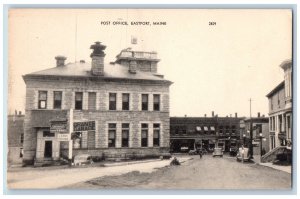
(57, 178)
(256, 159)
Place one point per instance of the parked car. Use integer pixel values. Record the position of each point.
(218, 152)
(240, 154)
(194, 152)
(233, 151)
(83, 159)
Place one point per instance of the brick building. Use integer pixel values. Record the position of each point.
(114, 110)
(280, 109)
(260, 129)
(15, 138)
(188, 133)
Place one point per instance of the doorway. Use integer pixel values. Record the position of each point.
(48, 149)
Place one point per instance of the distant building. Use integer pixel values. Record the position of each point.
(116, 110)
(15, 138)
(280, 109)
(188, 133)
(260, 129)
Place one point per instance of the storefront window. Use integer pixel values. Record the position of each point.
(77, 140)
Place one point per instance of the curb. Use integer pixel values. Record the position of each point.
(129, 163)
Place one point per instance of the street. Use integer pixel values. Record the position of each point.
(205, 173)
(193, 173)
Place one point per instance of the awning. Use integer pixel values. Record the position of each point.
(198, 128)
(205, 128)
(212, 128)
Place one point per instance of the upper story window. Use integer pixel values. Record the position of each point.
(125, 101)
(156, 102)
(22, 138)
(42, 100)
(92, 101)
(57, 96)
(112, 101)
(145, 102)
(78, 100)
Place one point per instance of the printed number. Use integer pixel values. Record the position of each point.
(212, 23)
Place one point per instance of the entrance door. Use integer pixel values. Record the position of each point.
(48, 149)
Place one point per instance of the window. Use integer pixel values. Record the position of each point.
(42, 100)
(77, 140)
(48, 134)
(112, 101)
(144, 135)
(156, 134)
(125, 135)
(22, 138)
(91, 139)
(112, 134)
(125, 101)
(156, 102)
(221, 130)
(92, 101)
(57, 99)
(144, 102)
(78, 100)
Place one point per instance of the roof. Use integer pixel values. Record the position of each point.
(276, 89)
(111, 71)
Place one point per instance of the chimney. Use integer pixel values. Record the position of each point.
(20, 112)
(60, 60)
(97, 58)
(204, 115)
(212, 114)
(235, 114)
(258, 114)
(132, 66)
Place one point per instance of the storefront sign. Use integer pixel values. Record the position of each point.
(63, 137)
(84, 126)
(58, 126)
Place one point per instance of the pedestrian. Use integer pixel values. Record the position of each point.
(243, 153)
(200, 153)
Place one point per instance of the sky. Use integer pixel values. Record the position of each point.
(214, 67)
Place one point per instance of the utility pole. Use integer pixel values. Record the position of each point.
(251, 134)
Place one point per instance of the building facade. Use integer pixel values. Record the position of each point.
(260, 133)
(15, 138)
(187, 133)
(115, 110)
(280, 109)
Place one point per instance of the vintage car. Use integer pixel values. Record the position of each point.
(83, 159)
(243, 154)
(194, 152)
(218, 152)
